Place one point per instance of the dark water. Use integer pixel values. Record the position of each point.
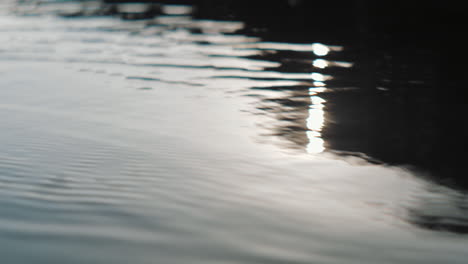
(157, 133)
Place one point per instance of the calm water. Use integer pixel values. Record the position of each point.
(178, 140)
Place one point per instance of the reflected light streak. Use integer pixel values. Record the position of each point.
(177, 9)
(322, 64)
(132, 7)
(317, 48)
(319, 84)
(320, 77)
(343, 64)
(315, 122)
(279, 46)
(319, 63)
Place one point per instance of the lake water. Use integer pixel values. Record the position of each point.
(178, 140)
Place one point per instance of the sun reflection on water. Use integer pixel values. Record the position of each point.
(320, 49)
(315, 122)
(320, 63)
(320, 77)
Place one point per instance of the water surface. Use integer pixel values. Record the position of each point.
(175, 139)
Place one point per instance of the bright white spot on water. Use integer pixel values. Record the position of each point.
(318, 77)
(316, 144)
(320, 49)
(315, 120)
(319, 63)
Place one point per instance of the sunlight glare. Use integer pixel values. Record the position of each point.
(319, 84)
(318, 77)
(315, 122)
(319, 63)
(320, 49)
